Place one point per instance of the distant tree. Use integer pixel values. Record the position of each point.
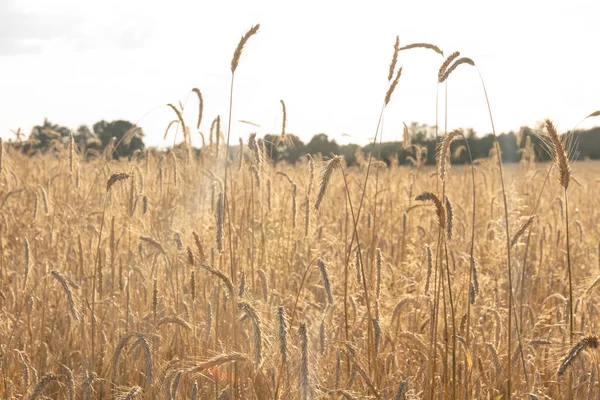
(320, 144)
(470, 134)
(349, 153)
(582, 144)
(47, 133)
(105, 131)
(83, 136)
(83, 133)
(421, 132)
(508, 145)
(588, 143)
(291, 149)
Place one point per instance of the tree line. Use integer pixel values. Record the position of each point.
(419, 142)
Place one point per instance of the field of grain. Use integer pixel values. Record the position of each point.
(175, 276)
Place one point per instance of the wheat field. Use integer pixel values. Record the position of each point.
(182, 275)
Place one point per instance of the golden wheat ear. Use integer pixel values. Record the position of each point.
(394, 59)
(559, 154)
(439, 207)
(446, 64)
(330, 167)
(284, 118)
(200, 106)
(240, 47)
(422, 46)
(594, 114)
(443, 152)
(460, 61)
(588, 342)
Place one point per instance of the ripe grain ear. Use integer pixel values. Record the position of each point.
(240, 47)
(559, 153)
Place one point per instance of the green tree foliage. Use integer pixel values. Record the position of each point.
(320, 144)
(582, 144)
(289, 149)
(589, 144)
(42, 136)
(106, 131)
(83, 134)
(46, 136)
(512, 144)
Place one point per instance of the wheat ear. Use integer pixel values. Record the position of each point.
(588, 342)
(327, 283)
(521, 231)
(39, 388)
(422, 46)
(394, 58)
(460, 61)
(333, 164)
(200, 106)
(257, 325)
(305, 392)
(559, 153)
(439, 207)
(240, 47)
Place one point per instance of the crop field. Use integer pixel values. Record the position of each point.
(222, 275)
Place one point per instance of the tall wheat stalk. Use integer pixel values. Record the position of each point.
(114, 178)
(561, 160)
(443, 76)
(234, 64)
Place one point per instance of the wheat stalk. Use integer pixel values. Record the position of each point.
(283, 346)
(305, 390)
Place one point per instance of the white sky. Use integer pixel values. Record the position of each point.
(79, 61)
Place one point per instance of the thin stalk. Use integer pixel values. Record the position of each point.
(507, 229)
(453, 324)
(471, 254)
(435, 318)
(364, 281)
(355, 228)
(446, 257)
(227, 207)
(304, 276)
(94, 280)
(571, 325)
(571, 332)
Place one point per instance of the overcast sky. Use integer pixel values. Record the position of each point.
(79, 61)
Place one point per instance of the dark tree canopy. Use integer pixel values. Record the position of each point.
(105, 131)
(320, 144)
(46, 133)
(291, 148)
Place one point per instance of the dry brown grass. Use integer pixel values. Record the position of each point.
(146, 249)
(211, 288)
